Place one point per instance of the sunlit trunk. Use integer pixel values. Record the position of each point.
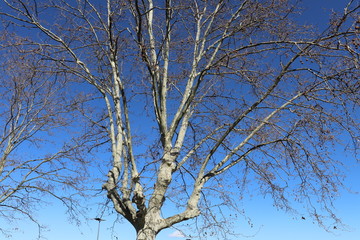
(146, 234)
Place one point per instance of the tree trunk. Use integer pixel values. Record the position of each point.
(146, 234)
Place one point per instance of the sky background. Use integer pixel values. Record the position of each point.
(268, 223)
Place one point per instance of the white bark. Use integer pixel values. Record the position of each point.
(146, 234)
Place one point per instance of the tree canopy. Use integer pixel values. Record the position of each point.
(194, 99)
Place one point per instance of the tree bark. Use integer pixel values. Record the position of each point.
(146, 234)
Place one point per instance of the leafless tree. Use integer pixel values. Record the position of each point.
(201, 97)
(34, 107)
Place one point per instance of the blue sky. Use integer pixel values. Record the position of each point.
(268, 223)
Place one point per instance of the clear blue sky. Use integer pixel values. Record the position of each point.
(269, 224)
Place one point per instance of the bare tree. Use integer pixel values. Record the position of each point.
(34, 107)
(202, 95)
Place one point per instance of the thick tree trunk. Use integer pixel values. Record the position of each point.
(146, 234)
